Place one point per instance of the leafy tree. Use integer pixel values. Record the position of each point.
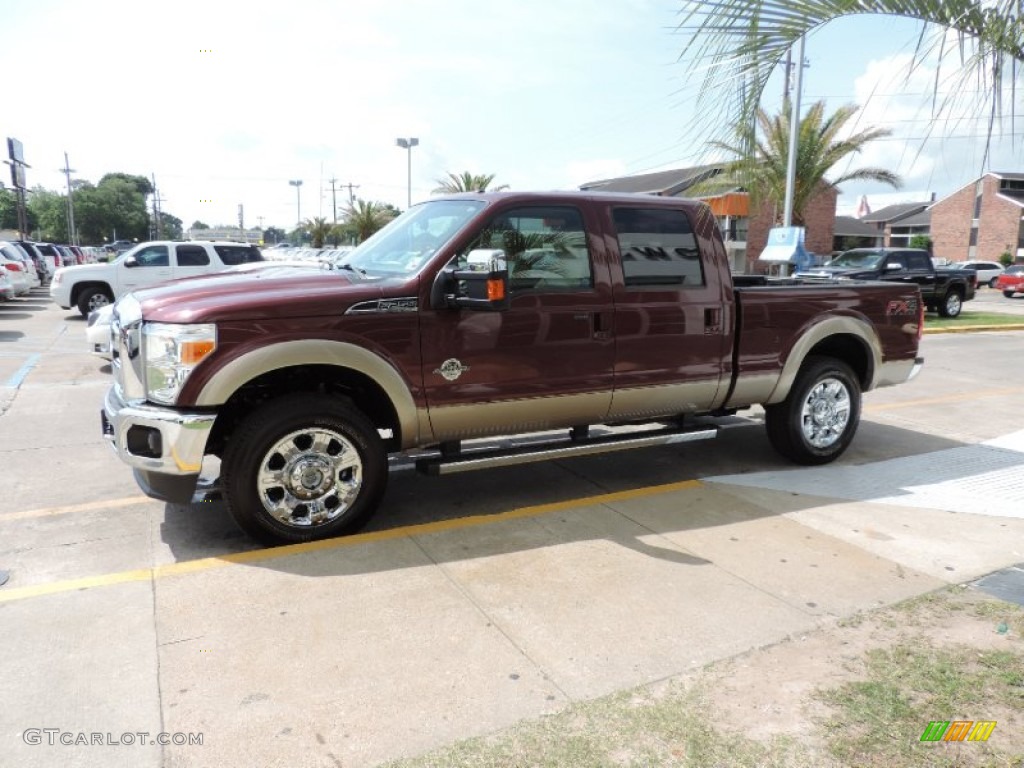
(51, 214)
(467, 182)
(197, 224)
(921, 241)
(363, 218)
(9, 211)
(742, 41)
(171, 227)
(318, 229)
(115, 205)
(141, 183)
(760, 157)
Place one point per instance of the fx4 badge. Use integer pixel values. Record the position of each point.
(451, 369)
(908, 307)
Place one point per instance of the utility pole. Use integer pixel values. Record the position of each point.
(156, 210)
(72, 235)
(794, 131)
(334, 199)
(351, 194)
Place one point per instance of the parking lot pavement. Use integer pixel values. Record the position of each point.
(473, 601)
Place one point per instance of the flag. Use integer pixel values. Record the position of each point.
(863, 209)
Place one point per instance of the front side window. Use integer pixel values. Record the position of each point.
(545, 247)
(152, 256)
(658, 247)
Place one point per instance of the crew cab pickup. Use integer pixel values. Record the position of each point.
(483, 315)
(943, 290)
(91, 286)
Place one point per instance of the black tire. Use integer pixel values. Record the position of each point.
(830, 393)
(992, 282)
(1008, 294)
(314, 479)
(952, 304)
(93, 298)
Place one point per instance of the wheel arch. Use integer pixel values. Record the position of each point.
(78, 288)
(849, 339)
(313, 365)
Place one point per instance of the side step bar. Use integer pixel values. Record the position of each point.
(560, 449)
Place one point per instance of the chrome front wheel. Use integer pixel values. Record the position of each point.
(310, 477)
(304, 467)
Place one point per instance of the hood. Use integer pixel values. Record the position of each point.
(835, 272)
(274, 292)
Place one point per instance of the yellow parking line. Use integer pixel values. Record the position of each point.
(71, 508)
(8, 594)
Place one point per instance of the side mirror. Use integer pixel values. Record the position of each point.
(891, 267)
(483, 284)
(130, 261)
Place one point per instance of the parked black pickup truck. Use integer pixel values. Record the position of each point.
(943, 290)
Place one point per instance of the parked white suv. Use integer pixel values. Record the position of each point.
(91, 286)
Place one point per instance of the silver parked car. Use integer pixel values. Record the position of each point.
(988, 271)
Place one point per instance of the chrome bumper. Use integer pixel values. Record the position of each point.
(164, 446)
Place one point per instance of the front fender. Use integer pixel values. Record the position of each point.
(226, 381)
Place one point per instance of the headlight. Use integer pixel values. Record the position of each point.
(170, 353)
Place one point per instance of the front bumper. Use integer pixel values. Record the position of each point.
(164, 446)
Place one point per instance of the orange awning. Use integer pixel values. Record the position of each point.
(730, 204)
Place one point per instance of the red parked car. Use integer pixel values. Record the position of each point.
(1011, 281)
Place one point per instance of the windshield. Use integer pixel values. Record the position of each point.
(408, 242)
(1016, 270)
(866, 259)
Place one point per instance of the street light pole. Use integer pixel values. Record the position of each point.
(408, 144)
(297, 183)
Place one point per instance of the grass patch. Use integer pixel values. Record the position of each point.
(972, 318)
(635, 728)
(879, 721)
(900, 678)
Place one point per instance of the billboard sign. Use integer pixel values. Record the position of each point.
(15, 151)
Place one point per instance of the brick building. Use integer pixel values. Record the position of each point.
(745, 235)
(981, 220)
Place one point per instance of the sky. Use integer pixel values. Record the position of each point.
(225, 103)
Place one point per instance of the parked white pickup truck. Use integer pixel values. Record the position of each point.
(91, 286)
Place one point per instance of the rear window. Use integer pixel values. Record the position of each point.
(233, 255)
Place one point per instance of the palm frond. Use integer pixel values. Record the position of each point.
(739, 42)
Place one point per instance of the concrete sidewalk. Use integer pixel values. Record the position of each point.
(388, 644)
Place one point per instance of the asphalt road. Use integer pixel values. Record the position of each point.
(472, 601)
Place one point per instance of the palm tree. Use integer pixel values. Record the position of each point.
(467, 182)
(762, 172)
(363, 218)
(743, 41)
(318, 229)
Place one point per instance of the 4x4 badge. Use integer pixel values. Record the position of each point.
(451, 369)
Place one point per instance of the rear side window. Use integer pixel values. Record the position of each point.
(192, 256)
(232, 255)
(658, 247)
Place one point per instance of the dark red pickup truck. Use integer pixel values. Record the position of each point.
(482, 315)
